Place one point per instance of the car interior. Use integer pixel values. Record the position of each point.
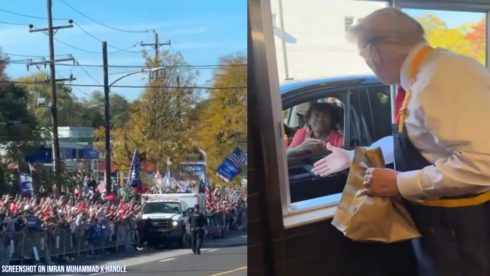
(302, 182)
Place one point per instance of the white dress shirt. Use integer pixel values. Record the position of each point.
(449, 122)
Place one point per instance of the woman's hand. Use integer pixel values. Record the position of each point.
(310, 144)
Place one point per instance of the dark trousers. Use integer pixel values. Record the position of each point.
(197, 237)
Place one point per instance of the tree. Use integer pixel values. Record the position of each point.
(223, 117)
(18, 132)
(431, 22)
(477, 37)
(467, 39)
(159, 121)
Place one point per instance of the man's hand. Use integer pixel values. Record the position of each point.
(337, 161)
(381, 182)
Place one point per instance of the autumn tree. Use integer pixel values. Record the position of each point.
(467, 39)
(222, 118)
(477, 37)
(159, 122)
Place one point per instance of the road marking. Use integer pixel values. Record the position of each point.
(166, 260)
(230, 271)
(212, 250)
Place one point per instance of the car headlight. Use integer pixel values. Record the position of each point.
(175, 223)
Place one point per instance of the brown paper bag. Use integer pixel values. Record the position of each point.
(371, 218)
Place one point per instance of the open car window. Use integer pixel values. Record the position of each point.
(364, 117)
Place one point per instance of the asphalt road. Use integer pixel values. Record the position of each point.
(230, 261)
(227, 257)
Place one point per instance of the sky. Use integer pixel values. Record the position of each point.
(202, 30)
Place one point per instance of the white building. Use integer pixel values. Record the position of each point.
(314, 43)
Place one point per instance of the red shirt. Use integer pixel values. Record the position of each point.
(334, 138)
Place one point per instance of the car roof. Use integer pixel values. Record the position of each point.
(330, 81)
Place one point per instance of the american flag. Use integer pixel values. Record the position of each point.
(207, 190)
(238, 157)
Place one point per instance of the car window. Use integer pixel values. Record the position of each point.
(303, 184)
(161, 207)
(359, 112)
(379, 101)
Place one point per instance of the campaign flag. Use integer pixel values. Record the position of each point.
(207, 191)
(26, 187)
(134, 175)
(232, 164)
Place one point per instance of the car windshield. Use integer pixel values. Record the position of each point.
(161, 207)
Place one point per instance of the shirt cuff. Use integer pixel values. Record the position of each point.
(408, 185)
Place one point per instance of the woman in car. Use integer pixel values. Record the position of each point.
(321, 128)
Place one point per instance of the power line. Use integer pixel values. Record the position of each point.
(29, 16)
(204, 66)
(138, 86)
(94, 52)
(103, 24)
(90, 75)
(120, 73)
(99, 40)
(11, 23)
(76, 87)
(77, 48)
(25, 55)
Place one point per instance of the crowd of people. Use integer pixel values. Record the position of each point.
(86, 214)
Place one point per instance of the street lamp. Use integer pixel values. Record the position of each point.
(107, 87)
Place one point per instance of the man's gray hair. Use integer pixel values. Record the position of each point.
(387, 24)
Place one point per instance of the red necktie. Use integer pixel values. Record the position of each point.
(400, 96)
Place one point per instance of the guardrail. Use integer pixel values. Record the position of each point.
(28, 246)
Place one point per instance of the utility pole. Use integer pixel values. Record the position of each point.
(156, 62)
(107, 116)
(54, 108)
(156, 45)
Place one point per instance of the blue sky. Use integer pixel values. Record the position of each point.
(452, 18)
(203, 30)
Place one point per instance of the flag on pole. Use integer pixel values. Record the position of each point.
(232, 164)
(207, 191)
(25, 185)
(134, 175)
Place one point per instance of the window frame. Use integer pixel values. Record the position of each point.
(264, 64)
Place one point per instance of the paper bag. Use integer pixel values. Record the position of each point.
(371, 218)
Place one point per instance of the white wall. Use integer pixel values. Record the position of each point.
(316, 43)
